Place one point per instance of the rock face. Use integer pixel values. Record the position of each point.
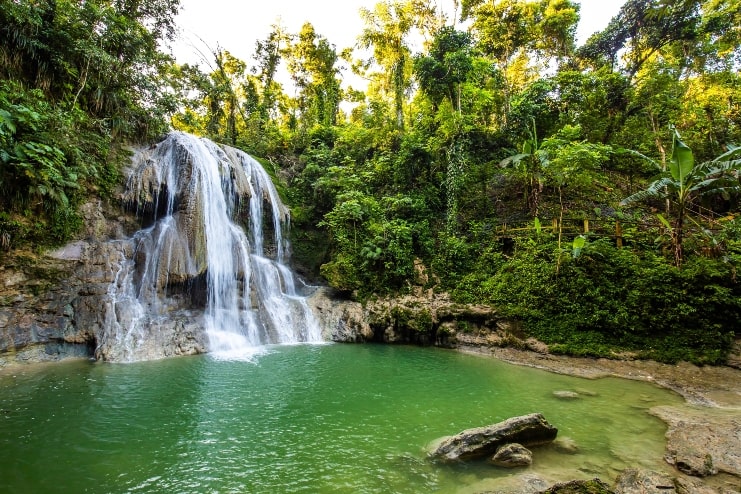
(425, 318)
(55, 307)
(526, 430)
(511, 456)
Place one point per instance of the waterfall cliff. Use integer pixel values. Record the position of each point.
(210, 263)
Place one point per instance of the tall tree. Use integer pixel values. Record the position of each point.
(312, 63)
(640, 29)
(516, 33)
(387, 29)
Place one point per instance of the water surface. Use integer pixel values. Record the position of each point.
(327, 418)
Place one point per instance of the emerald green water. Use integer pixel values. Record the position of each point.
(331, 418)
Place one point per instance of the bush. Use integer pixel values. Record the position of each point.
(611, 300)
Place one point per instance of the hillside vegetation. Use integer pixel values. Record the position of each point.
(591, 191)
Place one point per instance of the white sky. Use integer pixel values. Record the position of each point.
(235, 25)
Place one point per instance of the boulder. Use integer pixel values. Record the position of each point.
(527, 430)
(512, 455)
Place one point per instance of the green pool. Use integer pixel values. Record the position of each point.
(314, 419)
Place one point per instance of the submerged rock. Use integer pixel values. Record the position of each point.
(566, 395)
(566, 445)
(512, 455)
(527, 430)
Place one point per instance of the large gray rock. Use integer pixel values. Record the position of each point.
(527, 430)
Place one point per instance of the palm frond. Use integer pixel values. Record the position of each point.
(640, 155)
(732, 150)
(656, 190)
(512, 159)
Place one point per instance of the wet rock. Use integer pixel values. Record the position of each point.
(594, 486)
(511, 456)
(688, 485)
(527, 430)
(702, 442)
(342, 321)
(566, 445)
(632, 481)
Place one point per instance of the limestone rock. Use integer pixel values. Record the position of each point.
(702, 442)
(527, 430)
(512, 455)
(689, 485)
(536, 346)
(522, 483)
(342, 321)
(632, 481)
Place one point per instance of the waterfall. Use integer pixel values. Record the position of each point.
(213, 250)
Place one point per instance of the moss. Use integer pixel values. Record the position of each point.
(415, 319)
(594, 486)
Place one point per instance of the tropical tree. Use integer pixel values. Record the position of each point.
(685, 181)
(448, 65)
(312, 63)
(529, 164)
(523, 36)
(387, 30)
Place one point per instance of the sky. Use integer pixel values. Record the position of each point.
(235, 25)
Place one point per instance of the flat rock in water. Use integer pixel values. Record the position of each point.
(566, 445)
(527, 430)
(566, 395)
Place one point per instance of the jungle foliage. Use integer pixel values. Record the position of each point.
(473, 150)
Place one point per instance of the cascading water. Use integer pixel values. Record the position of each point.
(213, 252)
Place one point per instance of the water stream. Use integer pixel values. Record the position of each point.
(306, 418)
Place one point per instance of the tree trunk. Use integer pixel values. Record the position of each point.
(679, 237)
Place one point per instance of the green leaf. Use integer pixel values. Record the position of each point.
(664, 221)
(578, 245)
(682, 161)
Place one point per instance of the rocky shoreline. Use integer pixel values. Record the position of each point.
(703, 436)
(50, 310)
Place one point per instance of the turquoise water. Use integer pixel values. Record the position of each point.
(328, 418)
